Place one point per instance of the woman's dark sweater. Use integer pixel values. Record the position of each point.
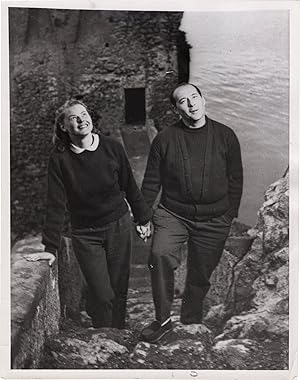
(92, 186)
(218, 188)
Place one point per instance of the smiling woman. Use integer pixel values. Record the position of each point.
(78, 124)
(90, 175)
(73, 124)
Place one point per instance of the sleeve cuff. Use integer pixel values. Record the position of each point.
(231, 213)
(51, 250)
(141, 222)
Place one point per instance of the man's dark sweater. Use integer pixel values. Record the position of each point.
(92, 185)
(218, 187)
(195, 139)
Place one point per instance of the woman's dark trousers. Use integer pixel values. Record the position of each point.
(205, 241)
(104, 257)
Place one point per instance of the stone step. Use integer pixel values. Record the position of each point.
(139, 277)
(136, 140)
(137, 146)
(135, 283)
(139, 271)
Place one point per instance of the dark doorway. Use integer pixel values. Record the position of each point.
(135, 112)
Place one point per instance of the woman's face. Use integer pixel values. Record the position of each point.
(77, 121)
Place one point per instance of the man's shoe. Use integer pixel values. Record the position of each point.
(155, 331)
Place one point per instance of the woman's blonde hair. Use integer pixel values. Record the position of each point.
(61, 138)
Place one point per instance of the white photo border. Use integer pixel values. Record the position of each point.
(171, 5)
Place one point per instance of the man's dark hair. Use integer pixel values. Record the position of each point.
(180, 85)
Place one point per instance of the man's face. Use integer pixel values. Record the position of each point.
(77, 121)
(189, 103)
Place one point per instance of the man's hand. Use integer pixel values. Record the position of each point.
(144, 232)
(41, 256)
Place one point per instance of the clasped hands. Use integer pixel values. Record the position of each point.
(144, 231)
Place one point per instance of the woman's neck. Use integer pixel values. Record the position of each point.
(83, 141)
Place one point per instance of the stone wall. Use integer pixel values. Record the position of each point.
(255, 301)
(35, 305)
(93, 56)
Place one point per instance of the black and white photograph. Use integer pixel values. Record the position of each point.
(150, 163)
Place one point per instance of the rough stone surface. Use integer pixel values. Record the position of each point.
(88, 348)
(35, 308)
(240, 292)
(236, 352)
(242, 354)
(259, 305)
(236, 247)
(268, 315)
(97, 351)
(270, 236)
(274, 216)
(189, 353)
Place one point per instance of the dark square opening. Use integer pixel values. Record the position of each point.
(135, 112)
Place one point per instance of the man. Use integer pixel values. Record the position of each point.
(197, 165)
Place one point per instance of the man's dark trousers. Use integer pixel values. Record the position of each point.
(205, 239)
(104, 255)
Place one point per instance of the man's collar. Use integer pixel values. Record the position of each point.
(184, 126)
(76, 149)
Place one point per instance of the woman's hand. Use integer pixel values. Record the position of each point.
(41, 256)
(144, 232)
